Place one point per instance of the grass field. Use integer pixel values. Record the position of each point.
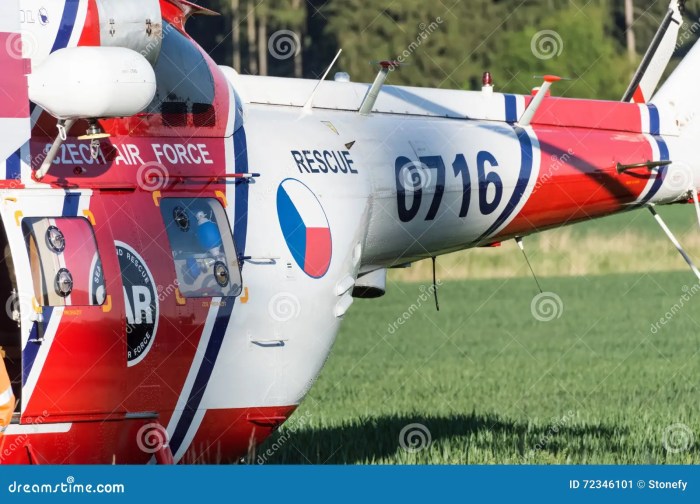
(485, 381)
(627, 242)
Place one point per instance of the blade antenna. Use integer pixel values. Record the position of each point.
(309, 102)
(519, 241)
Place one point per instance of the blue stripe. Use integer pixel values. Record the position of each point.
(660, 175)
(13, 166)
(526, 156)
(654, 121)
(223, 315)
(240, 225)
(292, 225)
(70, 205)
(70, 11)
(663, 148)
(654, 129)
(32, 349)
(511, 108)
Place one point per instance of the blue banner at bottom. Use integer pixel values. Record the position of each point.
(352, 483)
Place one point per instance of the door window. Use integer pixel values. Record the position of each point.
(66, 265)
(203, 250)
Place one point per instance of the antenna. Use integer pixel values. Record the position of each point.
(674, 240)
(435, 295)
(373, 93)
(519, 241)
(307, 105)
(537, 100)
(63, 127)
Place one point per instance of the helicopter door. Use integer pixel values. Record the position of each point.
(73, 325)
(10, 335)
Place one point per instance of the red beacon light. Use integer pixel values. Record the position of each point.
(487, 83)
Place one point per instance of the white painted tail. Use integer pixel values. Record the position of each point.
(680, 94)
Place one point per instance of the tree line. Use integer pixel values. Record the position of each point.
(444, 43)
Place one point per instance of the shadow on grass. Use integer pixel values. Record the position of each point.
(373, 439)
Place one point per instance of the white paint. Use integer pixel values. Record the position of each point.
(178, 153)
(37, 428)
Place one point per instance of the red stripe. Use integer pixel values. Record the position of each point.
(638, 96)
(91, 30)
(318, 251)
(578, 178)
(14, 101)
(592, 114)
(227, 434)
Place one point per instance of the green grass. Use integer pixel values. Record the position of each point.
(680, 218)
(622, 243)
(494, 385)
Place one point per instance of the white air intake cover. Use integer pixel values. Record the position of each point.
(93, 82)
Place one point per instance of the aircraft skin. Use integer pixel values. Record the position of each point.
(338, 195)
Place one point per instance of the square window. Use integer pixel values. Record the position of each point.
(66, 265)
(205, 257)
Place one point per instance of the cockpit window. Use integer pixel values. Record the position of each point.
(184, 83)
(66, 265)
(200, 238)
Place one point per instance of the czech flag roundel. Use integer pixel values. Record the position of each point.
(305, 227)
